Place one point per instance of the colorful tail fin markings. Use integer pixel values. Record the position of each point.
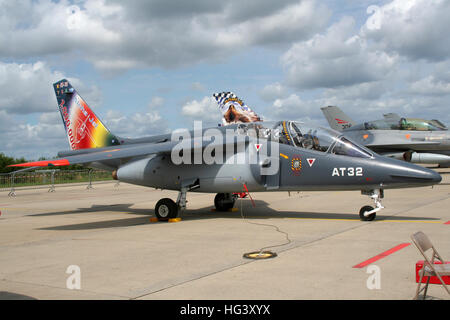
(233, 109)
(83, 128)
(337, 119)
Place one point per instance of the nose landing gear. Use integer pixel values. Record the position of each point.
(368, 213)
(168, 209)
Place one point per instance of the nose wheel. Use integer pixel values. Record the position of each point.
(166, 209)
(368, 213)
(369, 217)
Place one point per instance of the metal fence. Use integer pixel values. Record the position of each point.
(27, 179)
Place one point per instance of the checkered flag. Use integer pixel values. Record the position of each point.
(223, 96)
(233, 109)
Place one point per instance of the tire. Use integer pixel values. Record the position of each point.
(223, 203)
(166, 209)
(365, 209)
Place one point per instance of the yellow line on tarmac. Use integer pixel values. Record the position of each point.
(411, 221)
(20, 209)
(387, 220)
(337, 219)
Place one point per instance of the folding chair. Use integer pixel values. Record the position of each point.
(429, 269)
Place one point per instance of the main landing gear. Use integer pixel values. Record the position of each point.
(224, 201)
(368, 213)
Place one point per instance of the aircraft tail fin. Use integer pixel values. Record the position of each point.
(233, 109)
(337, 119)
(83, 128)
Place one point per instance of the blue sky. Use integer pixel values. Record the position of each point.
(147, 67)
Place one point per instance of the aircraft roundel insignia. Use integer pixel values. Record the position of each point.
(296, 165)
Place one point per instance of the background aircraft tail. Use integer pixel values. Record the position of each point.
(84, 129)
(337, 119)
(233, 109)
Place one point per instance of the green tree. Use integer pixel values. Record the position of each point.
(5, 161)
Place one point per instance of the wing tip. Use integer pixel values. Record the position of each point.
(44, 163)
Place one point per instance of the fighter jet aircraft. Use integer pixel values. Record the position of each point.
(412, 140)
(247, 155)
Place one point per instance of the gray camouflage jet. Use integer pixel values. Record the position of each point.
(409, 139)
(243, 155)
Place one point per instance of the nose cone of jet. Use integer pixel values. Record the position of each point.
(427, 175)
(413, 175)
(436, 177)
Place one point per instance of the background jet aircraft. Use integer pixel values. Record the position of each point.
(288, 156)
(409, 139)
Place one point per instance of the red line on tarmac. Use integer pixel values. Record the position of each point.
(382, 255)
(448, 222)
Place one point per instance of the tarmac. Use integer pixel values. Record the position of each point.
(104, 241)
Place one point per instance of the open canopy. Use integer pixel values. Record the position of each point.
(300, 135)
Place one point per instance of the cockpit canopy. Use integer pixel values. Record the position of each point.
(402, 124)
(303, 136)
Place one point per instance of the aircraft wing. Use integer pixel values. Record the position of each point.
(102, 155)
(126, 152)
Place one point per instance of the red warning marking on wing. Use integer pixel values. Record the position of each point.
(340, 121)
(44, 163)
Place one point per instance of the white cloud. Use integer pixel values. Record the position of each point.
(136, 125)
(337, 58)
(21, 139)
(115, 36)
(294, 108)
(34, 28)
(293, 22)
(430, 86)
(27, 88)
(273, 91)
(362, 91)
(156, 102)
(417, 29)
(204, 110)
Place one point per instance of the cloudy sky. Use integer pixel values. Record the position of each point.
(151, 66)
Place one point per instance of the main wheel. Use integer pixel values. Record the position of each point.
(369, 217)
(166, 209)
(224, 202)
